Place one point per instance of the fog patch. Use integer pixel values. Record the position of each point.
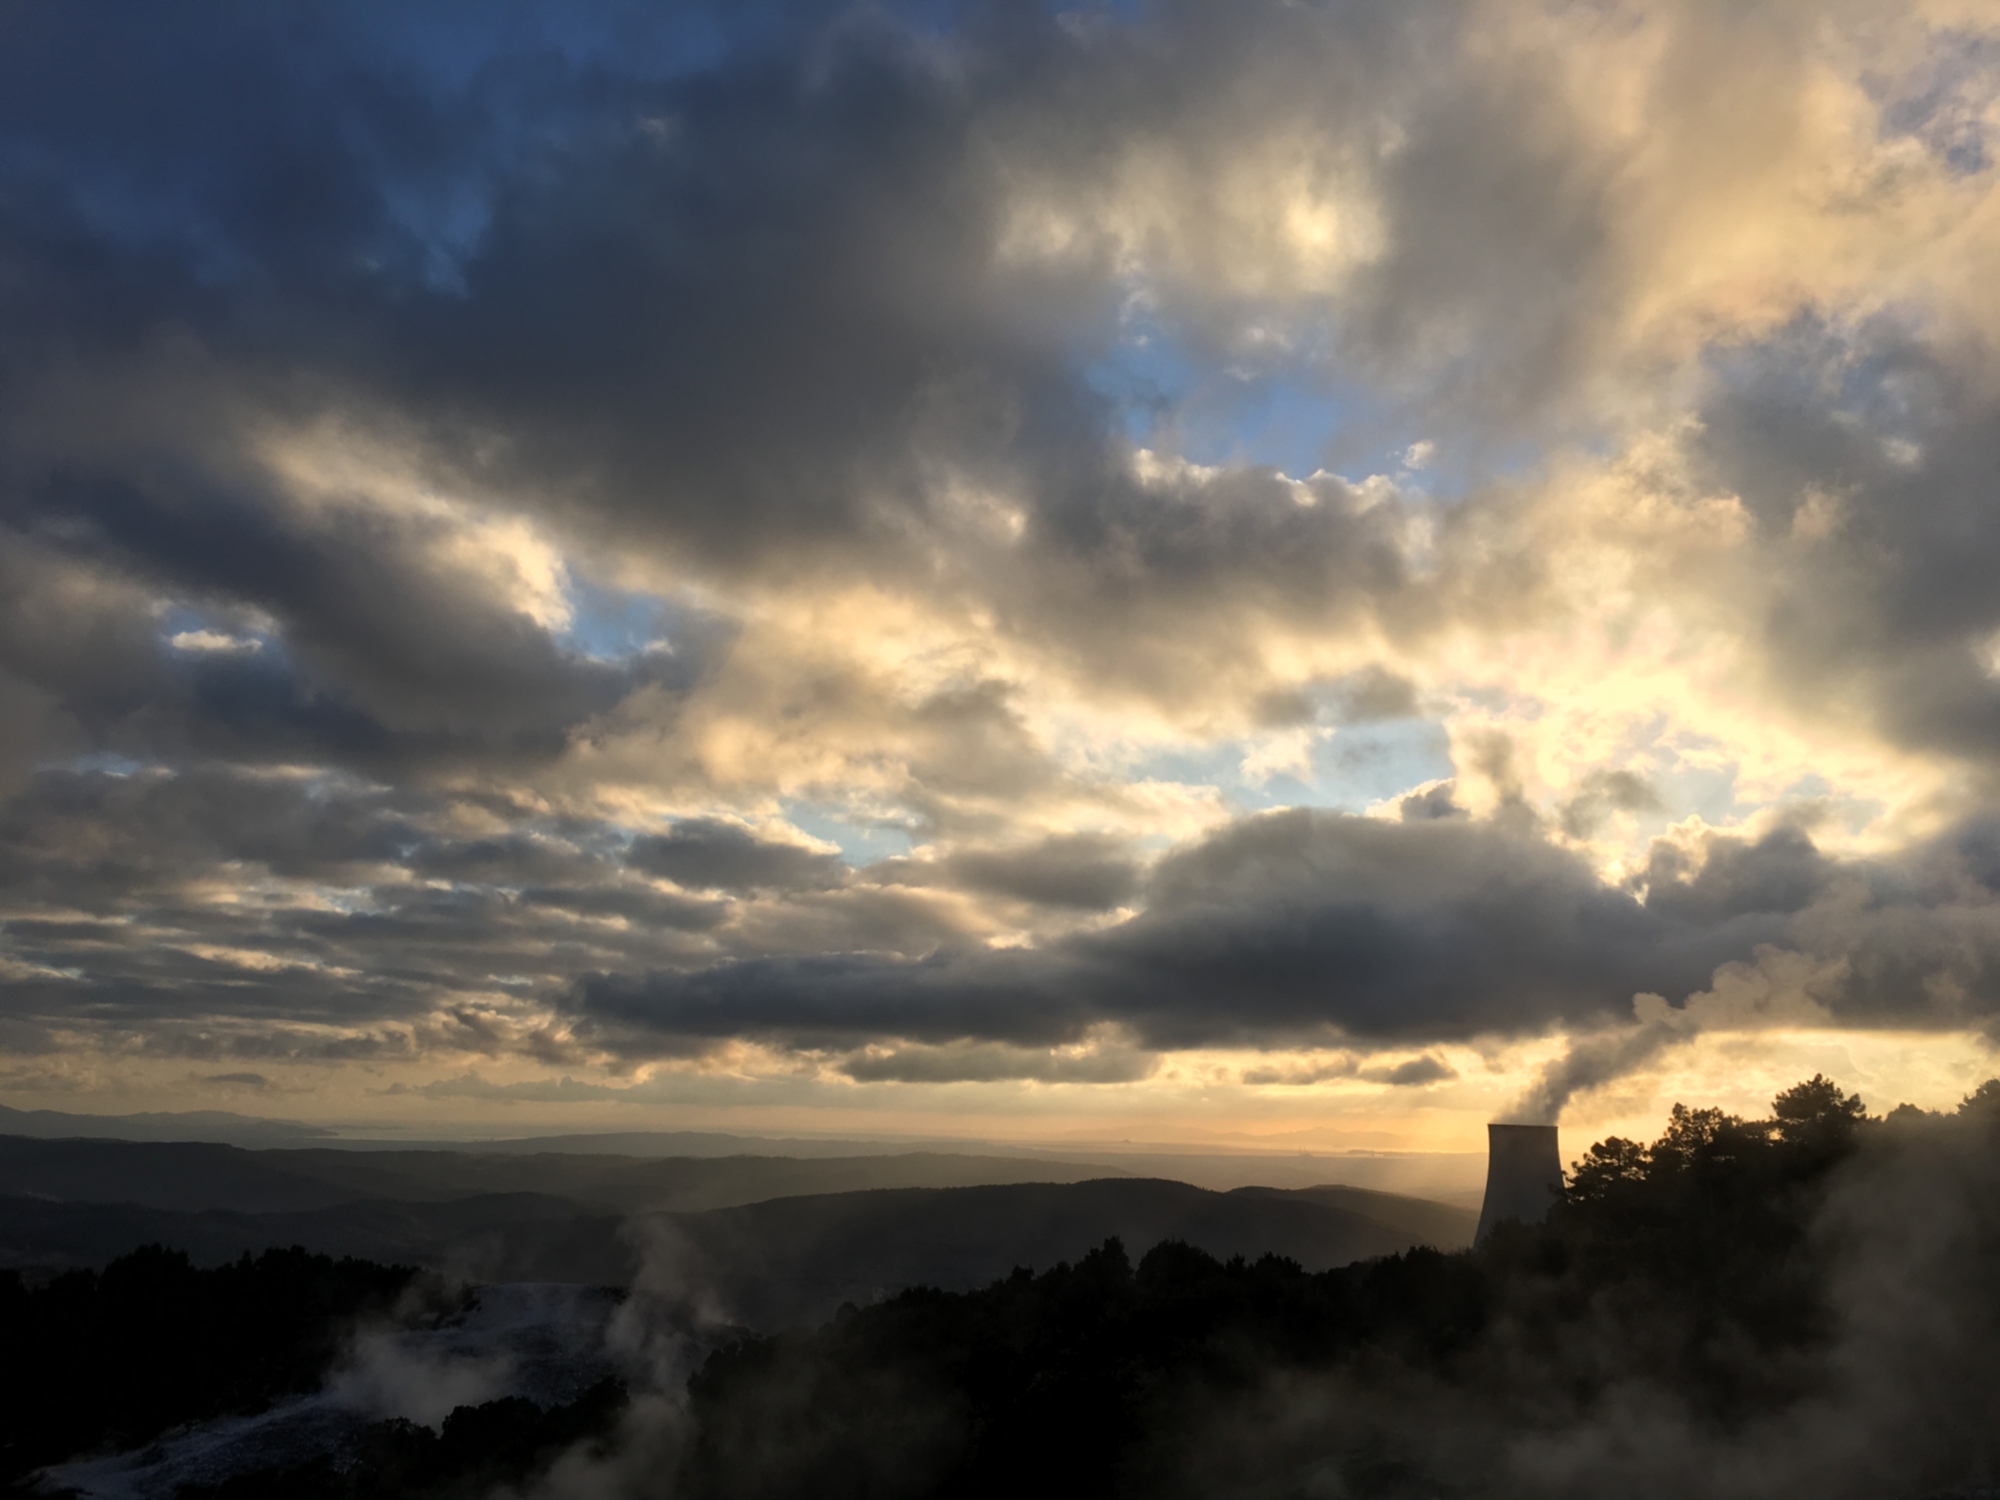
(396, 1375)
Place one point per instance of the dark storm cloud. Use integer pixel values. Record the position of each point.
(190, 218)
(1919, 932)
(1289, 926)
(1081, 871)
(703, 854)
(1415, 1073)
(1865, 456)
(1386, 930)
(1781, 872)
(382, 655)
(755, 296)
(770, 249)
(360, 909)
(989, 1062)
(740, 304)
(117, 832)
(1305, 927)
(219, 895)
(638, 904)
(221, 911)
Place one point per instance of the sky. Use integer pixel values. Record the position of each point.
(1283, 574)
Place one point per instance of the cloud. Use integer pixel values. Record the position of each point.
(1602, 793)
(1415, 1073)
(484, 510)
(238, 1080)
(988, 1062)
(1301, 928)
(703, 854)
(1305, 1077)
(112, 882)
(1293, 926)
(1433, 801)
(213, 640)
(872, 365)
(537, 1090)
(1078, 870)
(1781, 872)
(1373, 693)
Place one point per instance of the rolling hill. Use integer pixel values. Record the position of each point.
(769, 1240)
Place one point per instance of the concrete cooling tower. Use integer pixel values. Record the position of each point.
(1523, 1175)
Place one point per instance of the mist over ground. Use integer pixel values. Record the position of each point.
(1798, 1305)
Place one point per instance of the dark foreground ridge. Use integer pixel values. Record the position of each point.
(781, 1241)
(112, 1359)
(475, 1451)
(1742, 1307)
(1803, 1307)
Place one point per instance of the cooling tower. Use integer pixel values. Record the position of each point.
(1523, 1175)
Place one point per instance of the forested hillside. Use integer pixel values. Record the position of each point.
(112, 1359)
(765, 1233)
(1740, 1298)
(1803, 1305)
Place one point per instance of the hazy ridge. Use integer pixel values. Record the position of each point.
(777, 1239)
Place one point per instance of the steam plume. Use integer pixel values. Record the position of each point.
(1598, 1059)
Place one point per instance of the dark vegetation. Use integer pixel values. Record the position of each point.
(476, 1450)
(781, 1241)
(111, 1358)
(1693, 1311)
(1690, 1269)
(1046, 1384)
(794, 1261)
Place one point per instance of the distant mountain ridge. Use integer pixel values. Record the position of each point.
(190, 1176)
(773, 1240)
(793, 1261)
(768, 1264)
(1449, 1176)
(190, 1125)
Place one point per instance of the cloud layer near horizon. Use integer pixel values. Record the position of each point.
(986, 543)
